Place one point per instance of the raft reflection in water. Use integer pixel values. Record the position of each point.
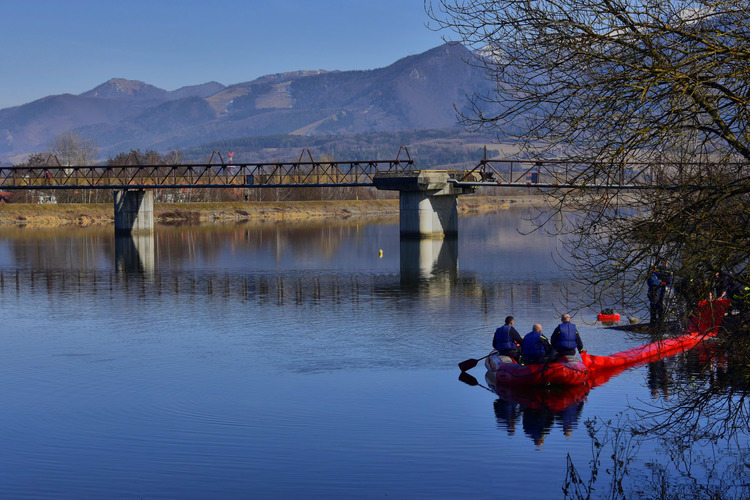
(539, 409)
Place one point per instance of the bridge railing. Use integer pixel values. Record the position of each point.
(541, 173)
(256, 175)
(559, 173)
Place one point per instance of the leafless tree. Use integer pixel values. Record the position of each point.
(607, 83)
(71, 148)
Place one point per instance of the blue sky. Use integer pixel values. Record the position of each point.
(71, 46)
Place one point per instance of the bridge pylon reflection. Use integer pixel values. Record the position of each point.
(134, 253)
(426, 260)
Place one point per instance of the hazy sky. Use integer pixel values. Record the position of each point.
(71, 46)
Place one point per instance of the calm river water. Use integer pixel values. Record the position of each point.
(286, 362)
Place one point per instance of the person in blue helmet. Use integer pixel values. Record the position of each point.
(536, 348)
(566, 339)
(507, 341)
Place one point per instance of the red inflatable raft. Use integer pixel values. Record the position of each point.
(605, 318)
(565, 371)
(595, 370)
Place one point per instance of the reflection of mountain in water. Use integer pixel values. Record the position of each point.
(507, 244)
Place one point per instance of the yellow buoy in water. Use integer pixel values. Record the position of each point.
(380, 253)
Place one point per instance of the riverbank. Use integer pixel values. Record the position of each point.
(81, 214)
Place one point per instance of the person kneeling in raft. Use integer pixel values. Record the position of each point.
(536, 348)
(565, 338)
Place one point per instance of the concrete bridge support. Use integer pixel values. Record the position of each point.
(134, 211)
(423, 215)
(428, 203)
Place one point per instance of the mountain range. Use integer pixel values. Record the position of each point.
(419, 92)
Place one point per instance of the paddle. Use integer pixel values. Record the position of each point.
(470, 363)
(467, 379)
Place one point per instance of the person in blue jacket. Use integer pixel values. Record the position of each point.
(536, 348)
(656, 292)
(507, 341)
(565, 338)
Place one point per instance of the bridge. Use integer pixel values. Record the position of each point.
(310, 173)
(428, 198)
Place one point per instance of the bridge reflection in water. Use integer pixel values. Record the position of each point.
(135, 253)
(269, 264)
(133, 279)
(421, 260)
(428, 260)
(130, 275)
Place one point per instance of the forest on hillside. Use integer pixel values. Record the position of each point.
(429, 149)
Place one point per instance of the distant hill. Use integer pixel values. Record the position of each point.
(119, 88)
(414, 93)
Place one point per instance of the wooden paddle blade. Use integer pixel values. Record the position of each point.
(468, 364)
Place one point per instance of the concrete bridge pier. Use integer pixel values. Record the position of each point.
(134, 211)
(423, 215)
(428, 203)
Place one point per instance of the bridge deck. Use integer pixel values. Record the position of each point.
(541, 174)
(256, 175)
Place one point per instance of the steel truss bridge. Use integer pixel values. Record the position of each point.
(310, 173)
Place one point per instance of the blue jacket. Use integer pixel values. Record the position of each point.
(535, 348)
(655, 290)
(505, 339)
(565, 337)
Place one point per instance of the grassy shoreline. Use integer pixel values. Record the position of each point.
(98, 214)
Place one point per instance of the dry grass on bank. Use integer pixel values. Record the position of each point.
(51, 215)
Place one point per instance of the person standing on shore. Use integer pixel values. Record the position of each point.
(655, 297)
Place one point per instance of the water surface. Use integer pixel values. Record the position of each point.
(275, 362)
